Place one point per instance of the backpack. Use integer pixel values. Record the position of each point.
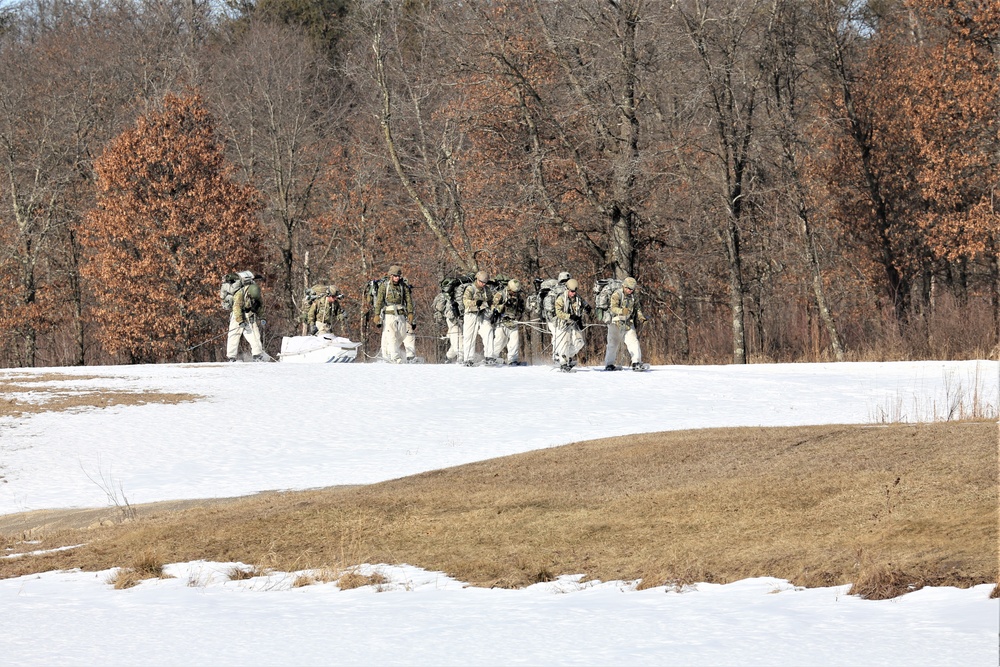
(232, 283)
(441, 305)
(533, 302)
(454, 288)
(603, 289)
(369, 292)
(549, 292)
(315, 292)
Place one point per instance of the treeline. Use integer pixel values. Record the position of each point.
(787, 179)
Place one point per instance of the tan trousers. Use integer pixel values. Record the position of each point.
(568, 342)
(455, 351)
(252, 334)
(618, 334)
(510, 338)
(477, 324)
(395, 331)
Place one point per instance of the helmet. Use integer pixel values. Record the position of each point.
(331, 290)
(572, 284)
(564, 276)
(394, 270)
(253, 291)
(483, 277)
(514, 285)
(630, 283)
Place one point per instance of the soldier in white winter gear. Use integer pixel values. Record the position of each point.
(508, 308)
(569, 340)
(626, 318)
(561, 279)
(244, 321)
(478, 302)
(394, 314)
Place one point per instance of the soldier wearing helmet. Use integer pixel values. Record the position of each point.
(546, 305)
(244, 321)
(626, 318)
(325, 311)
(508, 309)
(569, 340)
(394, 313)
(478, 302)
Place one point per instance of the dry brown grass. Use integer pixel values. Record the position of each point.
(887, 507)
(58, 398)
(143, 565)
(242, 573)
(353, 579)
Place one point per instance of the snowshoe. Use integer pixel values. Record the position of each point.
(641, 367)
(610, 367)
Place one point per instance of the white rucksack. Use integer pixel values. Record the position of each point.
(603, 289)
(232, 283)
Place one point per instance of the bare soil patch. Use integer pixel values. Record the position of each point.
(46, 397)
(895, 507)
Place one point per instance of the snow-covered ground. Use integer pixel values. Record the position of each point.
(277, 426)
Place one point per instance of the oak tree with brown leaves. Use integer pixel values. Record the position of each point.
(170, 221)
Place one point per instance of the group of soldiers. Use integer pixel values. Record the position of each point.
(490, 311)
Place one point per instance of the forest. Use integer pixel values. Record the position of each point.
(788, 180)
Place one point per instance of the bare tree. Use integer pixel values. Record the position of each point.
(787, 78)
(403, 77)
(728, 39)
(278, 108)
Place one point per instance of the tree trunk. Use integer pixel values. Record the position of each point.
(736, 290)
(819, 293)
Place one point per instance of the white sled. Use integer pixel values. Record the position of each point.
(319, 349)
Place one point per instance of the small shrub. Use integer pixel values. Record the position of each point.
(124, 578)
(351, 580)
(148, 564)
(144, 565)
(881, 582)
(238, 573)
(995, 593)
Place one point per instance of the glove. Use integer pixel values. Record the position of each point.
(245, 325)
(378, 323)
(494, 317)
(480, 304)
(413, 326)
(587, 309)
(577, 321)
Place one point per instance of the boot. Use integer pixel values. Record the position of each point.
(258, 357)
(610, 367)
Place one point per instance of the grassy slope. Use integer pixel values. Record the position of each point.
(889, 505)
